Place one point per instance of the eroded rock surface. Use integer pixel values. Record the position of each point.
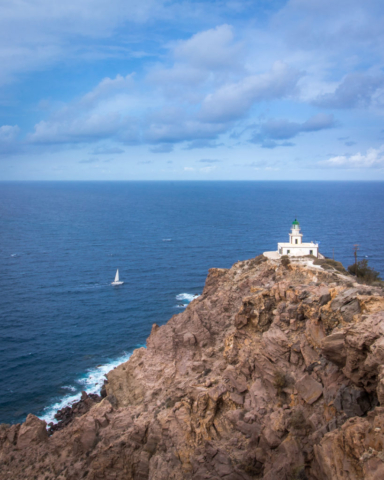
(272, 373)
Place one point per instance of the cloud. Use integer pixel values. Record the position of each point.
(350, 143)
(8, 133)
(208, 169)
(202, 144)
(373, 158)
(96, 115)
(144, 162)
(108, 86)
(39, 33)
(88, 128)
(281, 130)
(233, 101)
(162, 148)
(8, 138)
(209, 160)
(254, 164)
(180, 129)
(106, 151)
(212, 49)
(357, 90)
(194, 63)
(331, 27)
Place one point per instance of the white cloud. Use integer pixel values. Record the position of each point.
(357, 90)
(282, 129)
(38, 33)
(87, 128)
(103, 150)
(207, 57)
(211, 49)
(94, 116)
(373, 158)
(8, 138)
(233, 101)
(108, 86)
(8, 133)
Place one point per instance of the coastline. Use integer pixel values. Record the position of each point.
(92, 382)
(273, 364)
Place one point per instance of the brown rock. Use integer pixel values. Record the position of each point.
(272, 373)
(32, 431)
(309, 389)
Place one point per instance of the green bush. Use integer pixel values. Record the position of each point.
(297, 420)
(364, 272)
(328, 264)
(257, 260)
(298, 473)
(285, 261)
(279, 381)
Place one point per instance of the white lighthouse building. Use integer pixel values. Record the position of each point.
(295, 247)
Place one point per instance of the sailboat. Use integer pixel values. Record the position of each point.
(117, 280)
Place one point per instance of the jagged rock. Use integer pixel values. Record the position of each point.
(272, 373)
(309, 389)
(32, 431)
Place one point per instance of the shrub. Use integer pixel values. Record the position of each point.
(257, 260)
(297, 420)
(328, 264)
(285, 261)
(279, 381)
(170, 402)
(364, 272)
(298, 473)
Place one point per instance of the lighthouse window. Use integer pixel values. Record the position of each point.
(288, 251)
(296, 240)
(311, 252)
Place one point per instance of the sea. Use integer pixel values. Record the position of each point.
(63, 326)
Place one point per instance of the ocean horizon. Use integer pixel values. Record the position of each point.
(64, 326)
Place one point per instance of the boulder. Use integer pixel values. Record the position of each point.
(32, 432)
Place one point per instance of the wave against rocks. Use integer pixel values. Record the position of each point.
(274, 372)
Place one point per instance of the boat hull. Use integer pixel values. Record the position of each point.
(117, 283)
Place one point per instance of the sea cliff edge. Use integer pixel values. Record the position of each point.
(275, 372)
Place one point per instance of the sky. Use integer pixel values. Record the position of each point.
(191, 90)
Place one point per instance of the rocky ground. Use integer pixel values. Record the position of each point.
(274, 372)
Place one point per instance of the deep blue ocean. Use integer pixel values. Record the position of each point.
(62, 324)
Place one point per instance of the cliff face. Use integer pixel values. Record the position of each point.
(272, 373)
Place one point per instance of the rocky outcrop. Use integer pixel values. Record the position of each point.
(65, 415)
(274, 372)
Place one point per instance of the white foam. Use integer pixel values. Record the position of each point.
(187, 296)
(167, 239)
(90, 383)
(71, 388)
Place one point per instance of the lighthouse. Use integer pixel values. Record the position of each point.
(295, 247)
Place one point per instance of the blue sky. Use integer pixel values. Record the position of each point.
(189, 90)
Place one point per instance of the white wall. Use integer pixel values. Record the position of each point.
(297, 251)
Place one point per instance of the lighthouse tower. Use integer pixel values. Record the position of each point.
(295, 237)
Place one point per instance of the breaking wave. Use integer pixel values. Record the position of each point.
(91, 382)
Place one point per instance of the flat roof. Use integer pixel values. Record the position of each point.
(296, 245)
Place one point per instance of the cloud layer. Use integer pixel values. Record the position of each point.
(175, 79)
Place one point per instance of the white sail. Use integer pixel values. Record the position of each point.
(117, 275)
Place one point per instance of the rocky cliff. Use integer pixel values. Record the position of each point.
(274, 372)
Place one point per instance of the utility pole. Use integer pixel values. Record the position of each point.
(356, 248)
